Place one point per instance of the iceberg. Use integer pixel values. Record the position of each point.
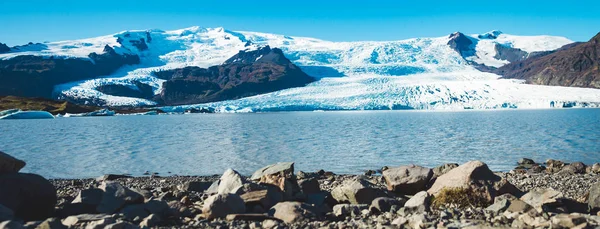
(18, 114)
(101, 112)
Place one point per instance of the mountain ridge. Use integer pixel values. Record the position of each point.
(350, 75)
(574, 65)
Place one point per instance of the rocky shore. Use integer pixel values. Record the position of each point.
(549, 195)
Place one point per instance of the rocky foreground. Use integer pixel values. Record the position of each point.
(553, 195)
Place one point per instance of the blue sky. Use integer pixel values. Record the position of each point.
(22, 21)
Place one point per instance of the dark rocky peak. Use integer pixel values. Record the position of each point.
(4, 48)
(261, 55)
(148, 37)
(109, 50)
(490, 35)
(596, 39)
(462, 44)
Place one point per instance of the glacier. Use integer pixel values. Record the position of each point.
(418, 73)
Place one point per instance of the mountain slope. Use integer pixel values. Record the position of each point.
(245, 74)
(36, 76)
(575, 66)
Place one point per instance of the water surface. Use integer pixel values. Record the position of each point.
(342, 142)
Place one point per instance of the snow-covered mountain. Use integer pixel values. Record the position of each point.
(421, 73)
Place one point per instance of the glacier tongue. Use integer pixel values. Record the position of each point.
(420, 91)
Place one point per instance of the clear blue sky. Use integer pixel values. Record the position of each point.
(22, 21)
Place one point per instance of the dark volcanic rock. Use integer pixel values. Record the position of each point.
(141, 90)
(4, 48)
(510, 54)
(36, 76)
(575, 65)
(462, 44)
(30, 196)
(246, 74)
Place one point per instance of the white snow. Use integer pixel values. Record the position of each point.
(485, 45)
(419, 73)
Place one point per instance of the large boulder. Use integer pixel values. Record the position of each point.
(281, 175)
(9, 164)
(357, 191)
(407, 180)
(115, 197)
(291, 212)
(594, 197)
(420, 202)
(477, 177)
(443, 169)
(384, 204)
(264, 198)
(30, 196)
(223, 204)
(6, 213)
(574, 168)
(550, 200)
(230, 182)
(343, 210)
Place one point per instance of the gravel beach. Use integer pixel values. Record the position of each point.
(534, 195)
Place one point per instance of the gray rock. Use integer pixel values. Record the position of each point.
(574, 168)
(400, 221)
(474, 175)
(11, 224)
(91, 196)
(280, 167)
(221, 205)
(309, 185)
(595, 168)
(291, 212)
(526, 161)
(115, 197)
(111, 177)
(343, 210)
(498, 206)
(214, 188)
(84, 218)
(6, 213)
(594, 197)
(30, 196)
(130, 212)
(157, 207)
(249, 217)
(281, 175)
(121, 225)
(568, 220)
(230, 181)
(150, 221)
(443, 169)
(9, 164)
(384, 204)
(554, 165)
(356, 191)
(420, 202)
(51, 223)
(541, 199)
(265, 198)
(407, 180)
(196, 186)
(518, 206)
(100, 224)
